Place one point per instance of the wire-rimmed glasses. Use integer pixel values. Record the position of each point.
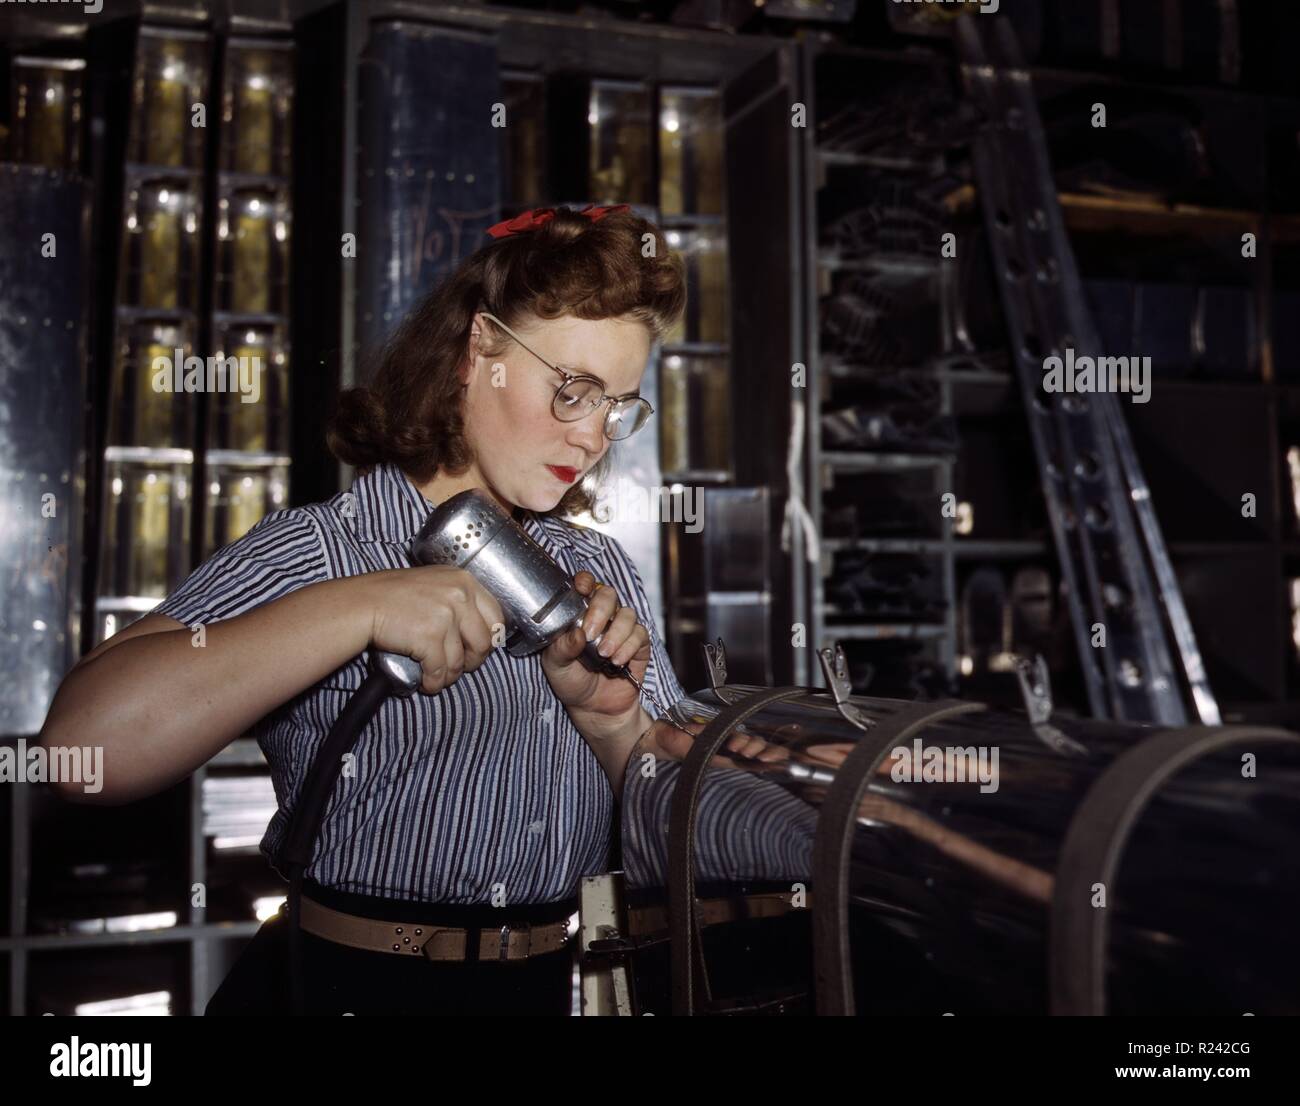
(578, 395)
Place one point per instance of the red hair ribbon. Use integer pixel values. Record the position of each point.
(531, 220)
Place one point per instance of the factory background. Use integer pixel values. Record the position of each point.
(844, 451)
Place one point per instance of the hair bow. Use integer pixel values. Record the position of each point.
(531, 220)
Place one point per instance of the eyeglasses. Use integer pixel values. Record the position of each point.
(577, 396)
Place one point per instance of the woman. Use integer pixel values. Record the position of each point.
(469, 813)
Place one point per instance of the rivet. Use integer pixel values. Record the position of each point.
(418, 932)
(399, 929)
(397, 948)
(406, 940)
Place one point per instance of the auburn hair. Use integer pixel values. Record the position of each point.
(409, 410)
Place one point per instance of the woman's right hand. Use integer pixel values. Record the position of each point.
(437, 615)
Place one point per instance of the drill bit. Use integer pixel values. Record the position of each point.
(610, 668)
(666, 712)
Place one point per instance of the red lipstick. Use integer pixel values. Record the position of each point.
(567, 475)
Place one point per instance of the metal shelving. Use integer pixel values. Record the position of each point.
(821, 465)
(993, 395)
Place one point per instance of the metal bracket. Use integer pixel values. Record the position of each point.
(1036, 691)
(715, 664)
(835, 667)
(607, 987)
(715, 661)
(1035, 687)
(611, 943)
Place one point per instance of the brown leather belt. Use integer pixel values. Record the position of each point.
(433, 942)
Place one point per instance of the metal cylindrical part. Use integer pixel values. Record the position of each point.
(956, 851)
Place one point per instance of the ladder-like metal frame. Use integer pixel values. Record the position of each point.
(1113, 560)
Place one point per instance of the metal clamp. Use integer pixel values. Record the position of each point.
(715, 664)
(1036, 691)
(715, 660)
(835, 667)
(611, 943)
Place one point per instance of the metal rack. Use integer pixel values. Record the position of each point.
(820, 465)
(988, 390)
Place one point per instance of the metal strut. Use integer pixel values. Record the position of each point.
(1113, 560)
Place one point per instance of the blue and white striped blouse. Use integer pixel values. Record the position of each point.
(483, 793)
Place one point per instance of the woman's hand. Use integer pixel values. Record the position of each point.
(599, 701)
(668, 741)
(435, 614)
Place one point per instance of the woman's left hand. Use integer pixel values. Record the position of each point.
(598, 698)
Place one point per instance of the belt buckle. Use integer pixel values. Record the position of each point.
(507, 934)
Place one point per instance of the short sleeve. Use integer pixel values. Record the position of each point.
(280, 554)
(660, 679)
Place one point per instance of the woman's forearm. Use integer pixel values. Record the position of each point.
(613, 741)
(160, 705)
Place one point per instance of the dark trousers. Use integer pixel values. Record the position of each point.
(338, 979)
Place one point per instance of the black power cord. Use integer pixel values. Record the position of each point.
(304, 823)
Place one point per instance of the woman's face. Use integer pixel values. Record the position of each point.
(508, 420)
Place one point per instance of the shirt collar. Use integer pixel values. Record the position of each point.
(389, 508)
